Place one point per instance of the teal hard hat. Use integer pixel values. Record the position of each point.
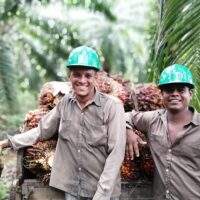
(85, 57)
(176, 74)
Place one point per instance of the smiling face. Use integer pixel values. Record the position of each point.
(176, 97)
(83, 82)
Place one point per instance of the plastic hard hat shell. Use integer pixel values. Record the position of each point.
(176, 74)
(85, 57)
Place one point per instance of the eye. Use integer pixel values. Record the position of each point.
(76, 74)
(88, 75)
(178, 88)
(168, 90)
(181, 90)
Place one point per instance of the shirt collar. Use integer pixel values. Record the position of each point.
(195, 117)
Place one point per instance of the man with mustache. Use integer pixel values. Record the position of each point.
(173, 135)
(91, 135)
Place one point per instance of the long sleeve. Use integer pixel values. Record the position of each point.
(116, 149)
(47, 127)
(139, 120)
(24, 139)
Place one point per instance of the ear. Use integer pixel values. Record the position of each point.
(68, 74)
(191, 93)
(96, 74)
(161, 91)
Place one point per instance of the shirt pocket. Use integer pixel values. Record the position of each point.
(96, 135)
(65, 129)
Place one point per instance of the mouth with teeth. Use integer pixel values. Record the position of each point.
(174, 100)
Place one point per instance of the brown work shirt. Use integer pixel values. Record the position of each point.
(177, 175)
(90, 146)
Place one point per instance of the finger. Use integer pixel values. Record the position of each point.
(127, 152)
(142, 142)
(131, 151)
(136, 149)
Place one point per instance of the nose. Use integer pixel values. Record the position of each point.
(82, 79)
(175, 91)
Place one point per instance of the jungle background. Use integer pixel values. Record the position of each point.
(134, 38)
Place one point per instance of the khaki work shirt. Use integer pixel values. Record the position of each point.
(90, 146)
(177, 175)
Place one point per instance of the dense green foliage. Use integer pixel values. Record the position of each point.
(42, 33)
(176, 40)
(36, 37)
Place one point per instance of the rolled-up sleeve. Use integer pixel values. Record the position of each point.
(116, 150)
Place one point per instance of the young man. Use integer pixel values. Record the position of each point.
(91, 135)
(173, 135)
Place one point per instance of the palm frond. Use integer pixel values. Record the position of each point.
(118, 42)
(8, 7)
(8, 86)
(178, 40)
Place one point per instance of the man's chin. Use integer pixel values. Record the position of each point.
(174, 108)
(82, 94)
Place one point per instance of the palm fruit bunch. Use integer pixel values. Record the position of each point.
(132, 170)
(128, 87)
(38, 159)
(108, 85)
(146, 161)
(52, 92)
(143, 97)
(32, 118)
(148, 97)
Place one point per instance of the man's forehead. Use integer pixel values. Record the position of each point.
(82, 69)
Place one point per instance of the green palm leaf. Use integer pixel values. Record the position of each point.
(178, 40)
(8, 86)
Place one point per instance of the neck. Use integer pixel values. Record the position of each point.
(181, 116)
(83, 100)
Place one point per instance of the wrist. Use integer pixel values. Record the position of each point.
(5, 144)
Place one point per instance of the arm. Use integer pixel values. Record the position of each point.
(135, 120)
(47, 127)
(116, 149)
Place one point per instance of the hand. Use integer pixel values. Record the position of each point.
(132, 141)
(4, 144)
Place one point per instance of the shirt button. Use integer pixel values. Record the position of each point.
(82, 113)
(167, 191)
(167, 170)
(79, 169)
(169, 150)
(79, 150)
